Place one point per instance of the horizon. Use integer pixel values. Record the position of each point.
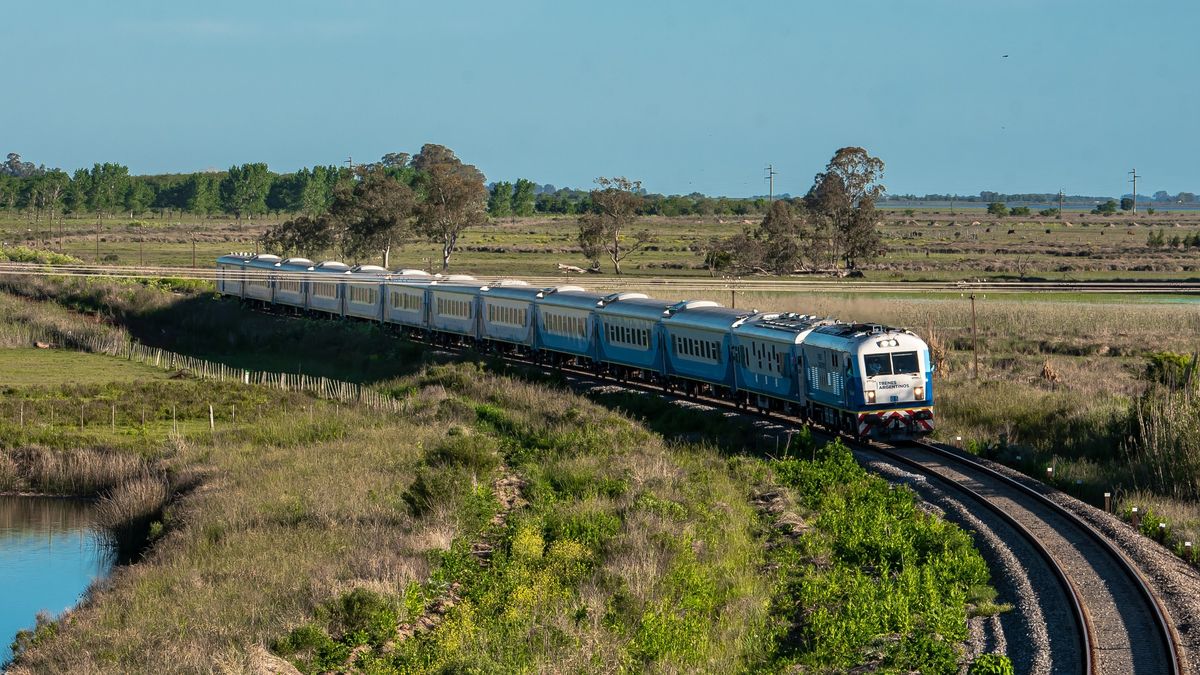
(1010, 98)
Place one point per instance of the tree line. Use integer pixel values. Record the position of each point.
(251, 190)
(364, 212)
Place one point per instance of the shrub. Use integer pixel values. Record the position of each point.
(991, 664)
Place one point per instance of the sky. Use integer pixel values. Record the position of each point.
(687, 96)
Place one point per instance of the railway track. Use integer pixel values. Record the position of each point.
(684, 284)
(1120, 624)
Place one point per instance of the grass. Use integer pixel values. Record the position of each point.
(345, 539)
(22, 367)
(932, 244)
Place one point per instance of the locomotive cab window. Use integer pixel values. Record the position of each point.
(878, 364)
(905, 363)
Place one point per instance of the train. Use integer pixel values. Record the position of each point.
(870, 381)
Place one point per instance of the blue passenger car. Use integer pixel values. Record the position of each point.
(698, 344)
(567, 323)
(767, 356)
(453, 306)
(628, 328)
(231, 274)
(507, 314)
(325, 287)
(260, 277)
(362, 288)
(291, 287)
(405, 301)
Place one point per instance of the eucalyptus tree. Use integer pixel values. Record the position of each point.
(452, 197)
(602, 229)
(842, 205)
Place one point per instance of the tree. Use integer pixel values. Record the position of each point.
(372, 214)
(1106, 209)
(524, 197)
(244, 189)
(304, 235)
(395, 160)
(779, 234)
(1019, 211)
(452, 197)
(842, 202)
(997, 209)
(13, 166)
(106, 187)
(201, 193)
(1126, 203)
(613, 209)
(500, 202)
(317, 190)
(138, 197)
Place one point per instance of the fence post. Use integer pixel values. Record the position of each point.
(212, 423)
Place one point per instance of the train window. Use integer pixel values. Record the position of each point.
(905, 363)
(878, 364)
(833, 361)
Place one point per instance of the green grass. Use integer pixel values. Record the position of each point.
(32, 366)
(321, 529)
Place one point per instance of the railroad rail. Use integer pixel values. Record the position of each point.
(674, 284)
(1126, 625)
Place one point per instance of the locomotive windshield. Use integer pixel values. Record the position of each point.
(899, 363)
(905, 363)
(878, 364)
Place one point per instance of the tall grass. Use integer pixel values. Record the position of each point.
(1162, 452)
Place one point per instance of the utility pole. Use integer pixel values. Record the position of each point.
(350, 161)
(1060, 203)
(771, 182)
(1135, 177)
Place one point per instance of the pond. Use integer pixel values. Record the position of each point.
(50, 552)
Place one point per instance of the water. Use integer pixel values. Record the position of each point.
(49, 553)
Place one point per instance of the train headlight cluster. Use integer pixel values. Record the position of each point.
(871, 396)
(919, 393)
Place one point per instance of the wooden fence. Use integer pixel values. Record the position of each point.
(321, 387)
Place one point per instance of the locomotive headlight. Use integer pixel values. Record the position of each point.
(870, 396)
(919, 393)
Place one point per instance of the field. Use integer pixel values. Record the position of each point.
(23, 367)
(928, 245)
(499, 522)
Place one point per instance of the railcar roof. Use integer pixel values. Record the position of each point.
(786, 327)
(704, 314)
(632, 305)
(570, 296)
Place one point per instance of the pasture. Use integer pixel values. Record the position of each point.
(928, 245)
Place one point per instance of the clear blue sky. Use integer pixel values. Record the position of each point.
(687, 96)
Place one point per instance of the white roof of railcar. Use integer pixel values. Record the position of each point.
(332, 267)
(704, 314)
(263, 260)
(570, 296)
(786, 327)
(633, 305)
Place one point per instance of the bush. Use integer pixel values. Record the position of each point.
(25, 254)
(991, 664)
